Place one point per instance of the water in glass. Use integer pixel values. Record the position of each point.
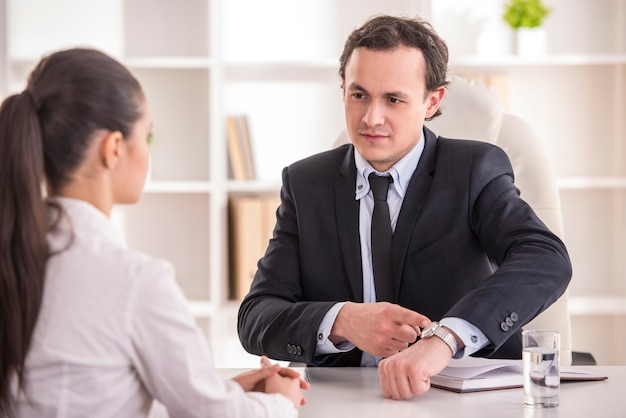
(541, 376)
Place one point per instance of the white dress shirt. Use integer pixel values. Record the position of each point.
(401, 172)
(115, 332)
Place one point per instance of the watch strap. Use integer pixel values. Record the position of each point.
(448, 338)
(436, 329)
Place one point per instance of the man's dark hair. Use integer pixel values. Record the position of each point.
(382, 33)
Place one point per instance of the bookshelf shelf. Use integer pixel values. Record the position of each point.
(282, 70)
(154, 62)
(178, 187)
(583, 306)
(202, 308)
(585, 183)
(318, 64)
(253, 186)
(513, 61)
(507, 61)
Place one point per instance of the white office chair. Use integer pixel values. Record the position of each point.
(474, 111)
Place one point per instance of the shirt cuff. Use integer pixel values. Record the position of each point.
(324, 345)
(472, 337)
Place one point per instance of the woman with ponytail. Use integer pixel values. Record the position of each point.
(89, 327)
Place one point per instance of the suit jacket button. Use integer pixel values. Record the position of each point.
(298, 351)
(509, 321)
(290, 349)
(504, 326)
(514, 316)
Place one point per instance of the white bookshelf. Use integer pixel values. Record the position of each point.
(276, 61)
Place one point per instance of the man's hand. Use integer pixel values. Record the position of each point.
(408, 373)
(381, 329)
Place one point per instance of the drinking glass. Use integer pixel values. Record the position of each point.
(540, 367)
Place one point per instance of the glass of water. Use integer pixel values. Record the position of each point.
(540, 366)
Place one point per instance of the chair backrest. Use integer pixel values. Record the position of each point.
(471, 110)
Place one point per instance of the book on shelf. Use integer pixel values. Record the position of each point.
(472, 374)
(240, 148)
(251, 224)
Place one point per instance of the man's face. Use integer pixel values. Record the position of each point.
(386, 102)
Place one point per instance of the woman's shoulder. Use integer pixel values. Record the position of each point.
(111, 261)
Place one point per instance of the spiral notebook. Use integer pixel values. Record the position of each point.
(470, 374)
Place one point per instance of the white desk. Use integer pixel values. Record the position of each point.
(355, 393)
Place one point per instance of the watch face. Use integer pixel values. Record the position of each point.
(430, 331)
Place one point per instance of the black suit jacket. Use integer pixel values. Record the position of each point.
(465, 245)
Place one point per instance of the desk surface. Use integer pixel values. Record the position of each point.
(355, 393)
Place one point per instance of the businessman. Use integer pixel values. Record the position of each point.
(402, 249)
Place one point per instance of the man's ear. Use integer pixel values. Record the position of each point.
(434, 100)
(110, 149)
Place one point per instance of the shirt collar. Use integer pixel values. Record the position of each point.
(401, 171)
(85, 217)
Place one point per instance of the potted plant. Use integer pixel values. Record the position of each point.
(526, 18)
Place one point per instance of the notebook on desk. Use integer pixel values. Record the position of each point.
(471, 374)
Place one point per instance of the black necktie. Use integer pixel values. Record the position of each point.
(381, 237)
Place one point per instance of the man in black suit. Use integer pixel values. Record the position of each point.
(466, 252)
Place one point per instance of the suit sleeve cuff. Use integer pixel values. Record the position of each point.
(324, 345)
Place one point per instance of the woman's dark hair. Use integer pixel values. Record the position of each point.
(382, 33)
(44, 134)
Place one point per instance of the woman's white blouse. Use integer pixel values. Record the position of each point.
(114, 332)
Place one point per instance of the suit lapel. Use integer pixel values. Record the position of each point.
(347, 215)
(411, 207)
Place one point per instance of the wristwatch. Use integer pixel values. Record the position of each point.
(436, 329)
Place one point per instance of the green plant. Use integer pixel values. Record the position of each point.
(525, 13)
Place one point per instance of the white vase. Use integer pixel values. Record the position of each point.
(531, 41)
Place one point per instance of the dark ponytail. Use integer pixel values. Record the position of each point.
(44, 134)
(22, 235)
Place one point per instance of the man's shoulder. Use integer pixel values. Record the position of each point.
(468, 149)
(474, 155)
(322, 162)
(465, 145)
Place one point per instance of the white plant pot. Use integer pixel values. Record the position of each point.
(531, 42)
